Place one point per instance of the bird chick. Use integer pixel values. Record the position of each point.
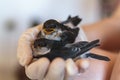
(57, 40)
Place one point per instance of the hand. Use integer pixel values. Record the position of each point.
(98, 69)
(59, 69)
(43, 69)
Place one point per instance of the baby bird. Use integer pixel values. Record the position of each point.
(57, 40)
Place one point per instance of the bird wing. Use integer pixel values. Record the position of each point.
(71, 51)
(74, 20)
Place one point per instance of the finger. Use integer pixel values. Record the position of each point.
(71, 70)
(37, 69)
(24, 51)
(56, 70)
(83, 64)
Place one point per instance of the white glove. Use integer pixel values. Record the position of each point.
(43, 69)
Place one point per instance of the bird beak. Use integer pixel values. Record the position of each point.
(48, 31)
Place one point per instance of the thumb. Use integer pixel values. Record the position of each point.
(24, 51)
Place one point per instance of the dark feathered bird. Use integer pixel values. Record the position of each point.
(74, 51)
(57, 40)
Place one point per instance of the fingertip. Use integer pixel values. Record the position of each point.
(24, 50)
(58, 59)
(37, 69)
(71, 68)
(83, 64)
(25, 61)
(24, 54)
(58, 62)
(56, 70)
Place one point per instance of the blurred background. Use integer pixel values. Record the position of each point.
(18, 15)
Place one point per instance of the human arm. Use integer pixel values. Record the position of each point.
(107, 30)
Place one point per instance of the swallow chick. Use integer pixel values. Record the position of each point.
(75, 51)
(57, 40)
(55, 32)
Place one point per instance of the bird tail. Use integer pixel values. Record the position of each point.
(74, 20)
(96, 56)
(88, 46)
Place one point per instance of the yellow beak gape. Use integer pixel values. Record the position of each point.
(48, 31)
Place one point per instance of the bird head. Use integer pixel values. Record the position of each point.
(50, 26)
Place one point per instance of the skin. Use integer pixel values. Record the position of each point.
(109, 42)
(82, 69)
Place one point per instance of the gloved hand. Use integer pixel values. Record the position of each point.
(43, 69)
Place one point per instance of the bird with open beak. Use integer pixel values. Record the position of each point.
(57, 40)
